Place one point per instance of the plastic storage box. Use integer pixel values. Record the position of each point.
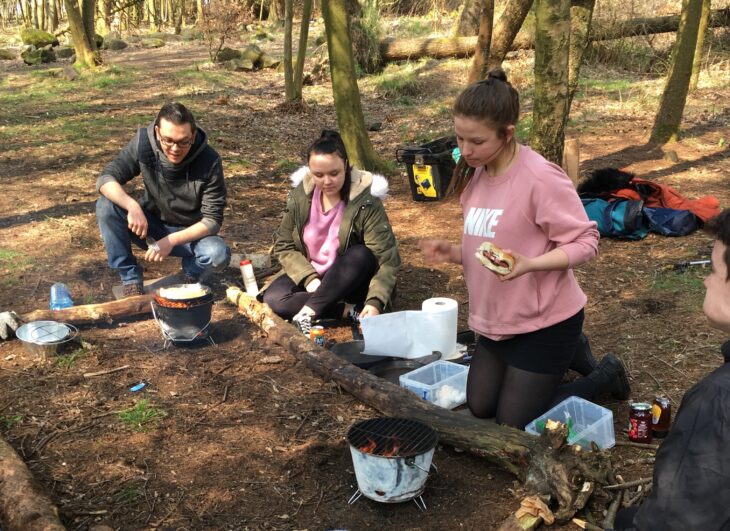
(442, 383)
(587, 422)
(429, 167)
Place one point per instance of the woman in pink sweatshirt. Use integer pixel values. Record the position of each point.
(530, 320)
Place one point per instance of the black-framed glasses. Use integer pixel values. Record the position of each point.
(182, 144)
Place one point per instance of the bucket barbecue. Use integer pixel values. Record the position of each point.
(392, 459)
(183, 312)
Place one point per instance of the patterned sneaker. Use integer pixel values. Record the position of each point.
(303, 323)
(354, 313)
(131, 289)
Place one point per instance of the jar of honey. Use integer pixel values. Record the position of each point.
(661, 416)
(640, 424)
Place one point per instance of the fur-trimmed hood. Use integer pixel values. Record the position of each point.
(360, 181)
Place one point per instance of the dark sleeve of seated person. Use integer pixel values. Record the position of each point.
(691, 489)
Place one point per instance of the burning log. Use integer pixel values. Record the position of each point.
(546, 464)
(104, 312)
(23, 507)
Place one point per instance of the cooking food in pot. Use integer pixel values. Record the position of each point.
(183, 292)
(494, 258)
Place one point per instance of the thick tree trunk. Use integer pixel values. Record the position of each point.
(674, 97)
(23, 506)
(701, 32)
(468, 23)
(441, 47)
(200, 11)
(344, 86)
(479, 64)
(552, 43)
(581, 15)
(302, 49)
(85, 55)
(88, 10)
(546, 464)
(105, 312)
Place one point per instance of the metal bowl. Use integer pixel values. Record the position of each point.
(44, 338)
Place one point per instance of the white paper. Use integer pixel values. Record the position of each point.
(412, 334)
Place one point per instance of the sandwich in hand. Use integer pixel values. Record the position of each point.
(494, 258)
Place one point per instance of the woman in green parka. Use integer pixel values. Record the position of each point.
(335, 244)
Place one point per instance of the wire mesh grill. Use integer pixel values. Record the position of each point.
(392, 437)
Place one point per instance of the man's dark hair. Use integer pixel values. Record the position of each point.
(176, 113)
(719, 227)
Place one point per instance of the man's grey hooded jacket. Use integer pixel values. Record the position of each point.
(179, 194)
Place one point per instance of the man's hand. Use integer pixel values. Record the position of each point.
(136, 220)
(160, 251)
(9, 323)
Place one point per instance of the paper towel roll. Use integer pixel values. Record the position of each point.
(442, 315)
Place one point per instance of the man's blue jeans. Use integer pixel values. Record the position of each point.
(207, 254)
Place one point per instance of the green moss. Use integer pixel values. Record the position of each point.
(397, 81)
(36, 37)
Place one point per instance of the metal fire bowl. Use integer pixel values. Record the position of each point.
(352, 351)
(47, 338)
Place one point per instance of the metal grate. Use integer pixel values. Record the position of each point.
(392, 437)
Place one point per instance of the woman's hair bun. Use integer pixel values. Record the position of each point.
(497, 73)
(329, 134)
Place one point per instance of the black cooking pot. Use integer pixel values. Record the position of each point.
(184, 320)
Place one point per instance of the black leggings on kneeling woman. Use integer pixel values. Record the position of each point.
(519, 379)
(347, 280)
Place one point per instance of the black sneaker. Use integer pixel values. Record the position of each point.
(187, 278)
(132, 289)
(610, 378)
(303, 323)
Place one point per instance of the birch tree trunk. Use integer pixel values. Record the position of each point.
(674, 97)
(552, 43)
(480, 61)
(701, 32)
(344, 86)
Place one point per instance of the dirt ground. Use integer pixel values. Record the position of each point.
(248, 438)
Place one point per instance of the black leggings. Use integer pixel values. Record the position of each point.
(516, 396)
(346, 281)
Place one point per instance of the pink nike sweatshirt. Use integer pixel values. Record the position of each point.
(531, 209)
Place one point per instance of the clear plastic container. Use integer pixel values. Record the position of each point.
(587, 422)
(60, 297)
(442, 383)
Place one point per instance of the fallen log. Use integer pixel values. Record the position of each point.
(104, 312)
(546, 464)
(392, 49)
(23, 506)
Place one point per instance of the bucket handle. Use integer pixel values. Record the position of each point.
(411, 461)
(170, 338)
(74, 333)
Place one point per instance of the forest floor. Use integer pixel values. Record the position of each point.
(243, 436)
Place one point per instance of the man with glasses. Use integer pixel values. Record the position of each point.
(181, 210)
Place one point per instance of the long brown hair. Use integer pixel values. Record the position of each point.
(493, 101)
